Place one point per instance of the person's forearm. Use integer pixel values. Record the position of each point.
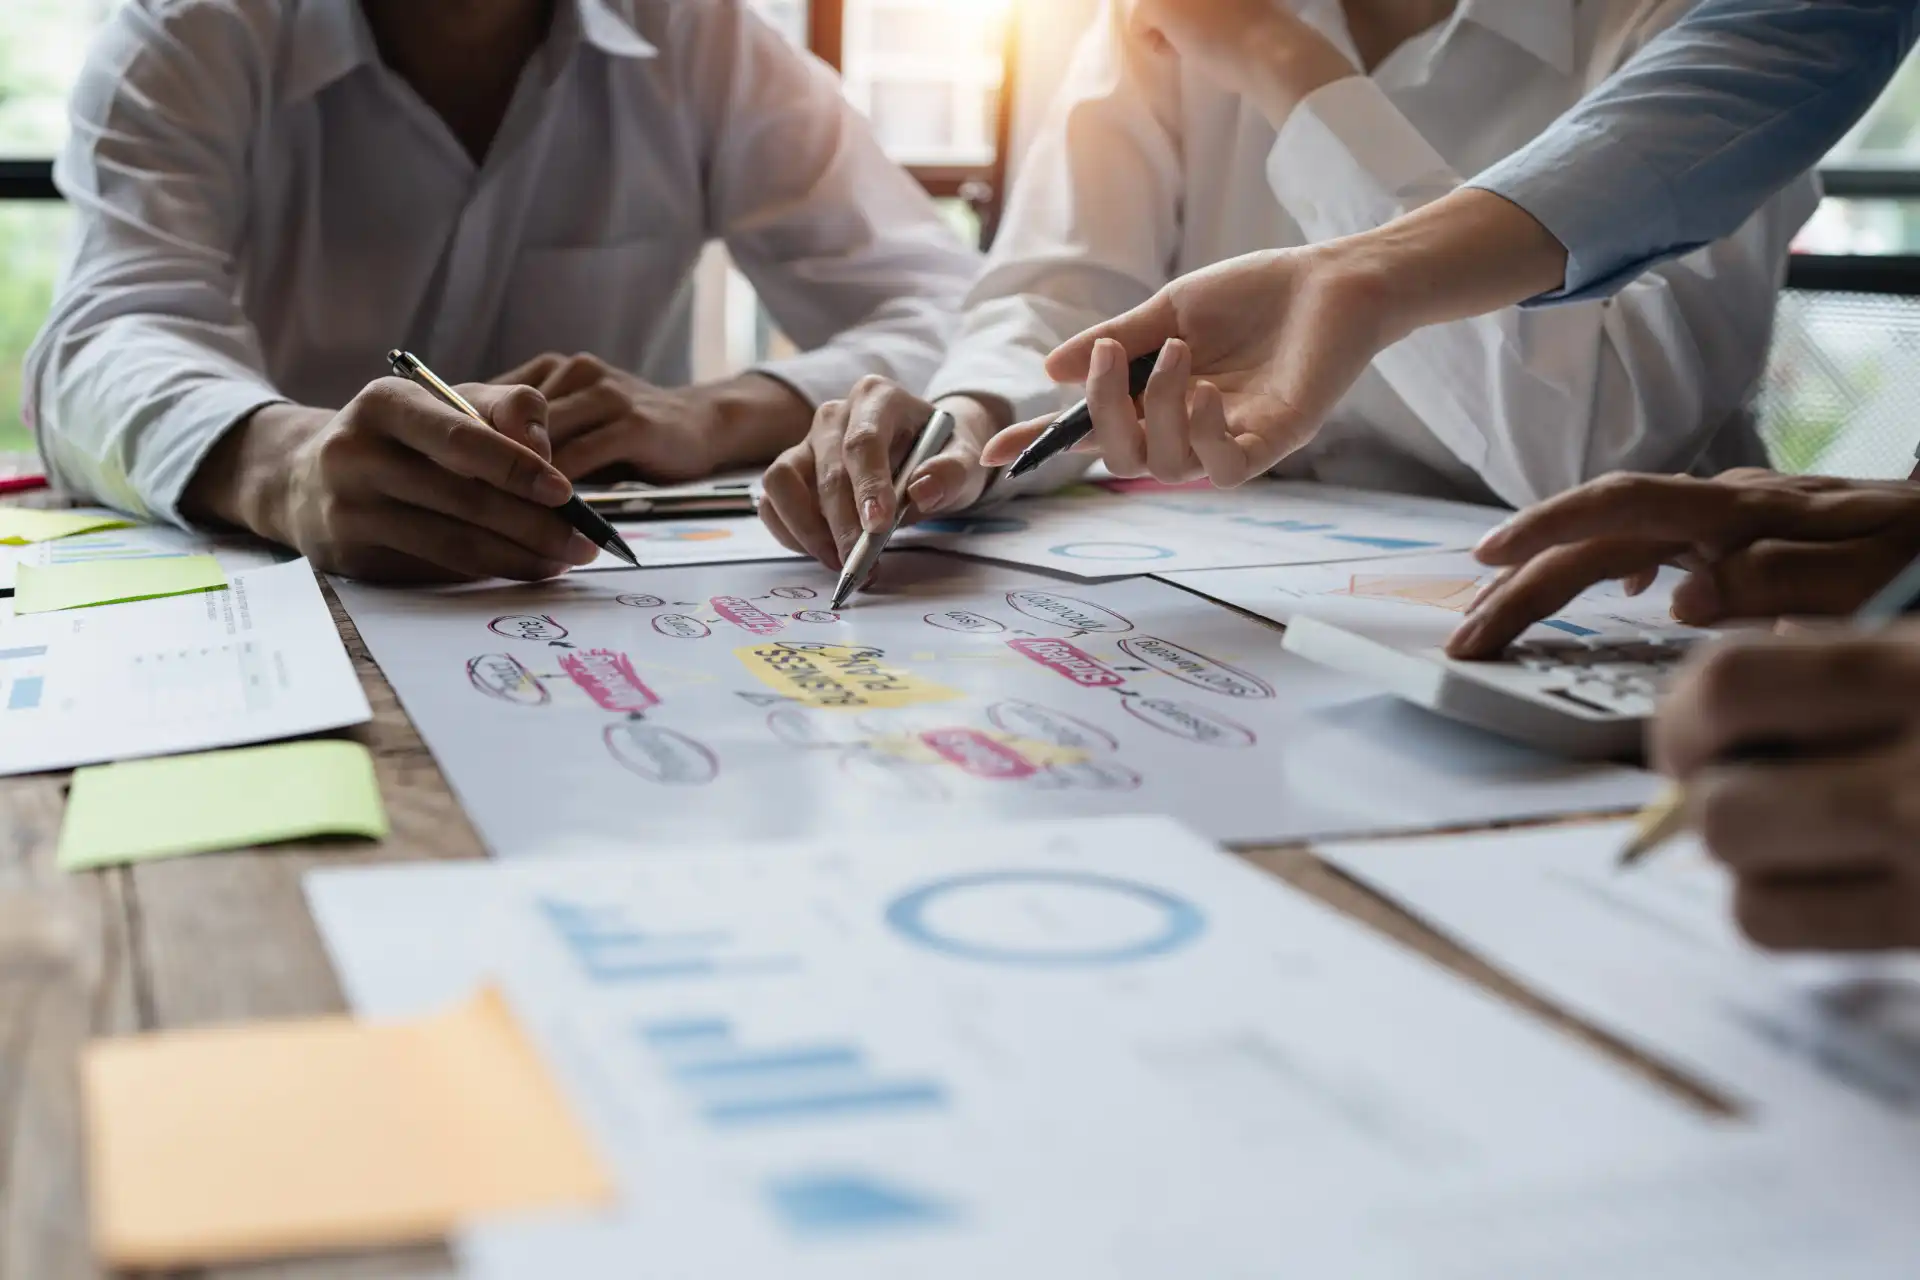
(755, 418)
(1466, 254)
(241, 482)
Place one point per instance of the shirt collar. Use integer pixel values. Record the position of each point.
(330, 39)
(1544, 28)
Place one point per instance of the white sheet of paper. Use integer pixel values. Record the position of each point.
(138, 542)
(1749, 1206)
(1093, 533)
(258, 661)
(1055, 1049)
(1653, 954)
(1424, 598)
(664, 705)
(719, 540)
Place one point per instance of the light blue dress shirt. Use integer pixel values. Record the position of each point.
(1700, 129)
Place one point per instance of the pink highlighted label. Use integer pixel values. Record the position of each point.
(609, 679)
(1071, 661)
(977, 754)
(747, 615)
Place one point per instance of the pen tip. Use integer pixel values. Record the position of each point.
(1020, 466)
(840, 595)
(620, 548)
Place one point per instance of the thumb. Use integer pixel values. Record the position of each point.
(948, 482)
(517, 412)
(1141, 331)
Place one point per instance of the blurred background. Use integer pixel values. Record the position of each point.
(1842, 396)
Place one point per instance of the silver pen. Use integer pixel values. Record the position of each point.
(866, 552)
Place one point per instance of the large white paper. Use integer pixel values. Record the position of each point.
(1061, 1050)
(665, 705)
(1420, 600)
(719, 540)
(1093, 532)
(139, 542)
(259, 660)
(1654, 955)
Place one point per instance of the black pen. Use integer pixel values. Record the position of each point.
(573, 510)
(1071, 427)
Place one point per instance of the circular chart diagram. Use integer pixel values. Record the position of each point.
(1045, 919)
(1114, 551)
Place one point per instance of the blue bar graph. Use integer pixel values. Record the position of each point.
(815, 1204)
(735, 1085)
(1571, 628)
(13, 655)
(25, 694)
(611, 950)
(1384, 544)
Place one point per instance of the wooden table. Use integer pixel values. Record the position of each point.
(227, 937)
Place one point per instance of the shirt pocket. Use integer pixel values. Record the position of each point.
(630, 304)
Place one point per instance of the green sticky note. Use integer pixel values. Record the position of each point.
(21, 525)
(162, 808)
(43, 588)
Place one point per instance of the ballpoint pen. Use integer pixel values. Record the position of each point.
(1666, 817)
(866, 552)
(573, 511)
(1071, 427)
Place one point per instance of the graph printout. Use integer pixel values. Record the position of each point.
(728, 702)
(1128, 528)
(259, 660)
(1097, 1048)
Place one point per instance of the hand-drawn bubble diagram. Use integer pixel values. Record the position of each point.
(607, 681)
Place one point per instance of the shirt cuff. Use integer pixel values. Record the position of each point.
(168, 457)
(1347, 161)
(1612, 234)
(1019, 377)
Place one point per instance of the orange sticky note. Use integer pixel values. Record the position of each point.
(281, 1138)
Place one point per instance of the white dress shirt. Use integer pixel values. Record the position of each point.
(264, 209)
(1145, 171)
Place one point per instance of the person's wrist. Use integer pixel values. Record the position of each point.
(748, 420)
(245, 481)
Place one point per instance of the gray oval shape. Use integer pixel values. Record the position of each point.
(1064, 611)
(661, 755)
(965, 622)
(639, 602)
(500, 675)
(1196, 669)
(527, 626)
(1184, 720)
(681, 627)
(1043, 724)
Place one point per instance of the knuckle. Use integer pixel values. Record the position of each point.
(1723, 820)
(1757, 913)
(871, 384)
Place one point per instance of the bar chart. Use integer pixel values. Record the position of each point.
(609, 949)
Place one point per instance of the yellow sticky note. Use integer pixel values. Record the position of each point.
(43, 588)
(173, 805)
(21, 525)
(296, 1137)
(838, 677)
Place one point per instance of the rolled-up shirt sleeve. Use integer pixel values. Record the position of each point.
(147, 359)
(853, 260)
(1537, 401)
(1700, 129)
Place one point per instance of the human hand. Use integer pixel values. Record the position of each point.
(825, 491)
(1271, 340)
(1756, 543)
(1823, 836)
(398, 486)
(606, 420)
(1258, 49)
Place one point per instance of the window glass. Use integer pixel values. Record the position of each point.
(927, 72)
(42, 44)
